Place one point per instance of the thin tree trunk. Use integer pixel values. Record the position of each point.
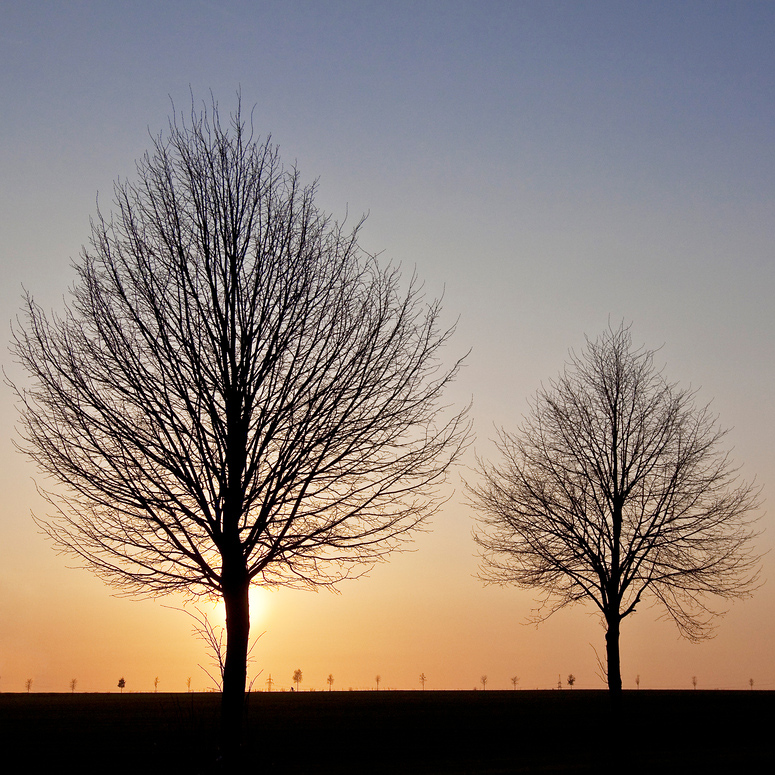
(612, 655)
(235, 598)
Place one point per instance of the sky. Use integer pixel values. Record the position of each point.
(546, 166)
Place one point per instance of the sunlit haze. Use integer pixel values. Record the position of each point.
(547, 167)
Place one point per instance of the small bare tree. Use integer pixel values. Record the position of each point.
(28, 684)
(571, 680)
(297, 678)
(514, 681)
(694, 681)
(156, 684)
(236, 392)
(616, 487)
(750, 683)
(483, 679)
(330, 681)
(637, 681)
(378, 679)
(423, 679)
(73, 683)
(213, 635)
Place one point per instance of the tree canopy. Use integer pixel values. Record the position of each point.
(615, 488)
(236, 392)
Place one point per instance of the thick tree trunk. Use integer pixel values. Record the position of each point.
(612, 655)
(235, 598)
(235, 581)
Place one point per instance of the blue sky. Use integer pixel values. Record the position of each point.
(548, 166)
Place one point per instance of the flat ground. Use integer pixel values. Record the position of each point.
(569, 731)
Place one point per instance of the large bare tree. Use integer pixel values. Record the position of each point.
(616, 488)
(235, 393)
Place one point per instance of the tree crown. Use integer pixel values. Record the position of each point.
(617, 486)
(234, 383)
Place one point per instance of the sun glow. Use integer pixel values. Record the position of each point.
(259, 601)
(259, 605)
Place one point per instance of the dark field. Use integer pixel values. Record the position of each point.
(396, 732)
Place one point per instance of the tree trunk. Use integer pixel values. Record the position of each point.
(235, 598)
(612, 655)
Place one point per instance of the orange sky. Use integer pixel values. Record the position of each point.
(422, 612)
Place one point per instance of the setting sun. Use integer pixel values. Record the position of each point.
(260, 607)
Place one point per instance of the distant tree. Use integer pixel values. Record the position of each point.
(694, 681)
(637, 680)
(330, 681)
(483, 679)
(378, 678)
(423, 679)
(188, 684)
(156, 684)
(615, 488)
(514, 681)
(237, 392)
(121, 684)
(297, 677)
(73, 683)
(750, 682)
(28, 684)
(571, 680)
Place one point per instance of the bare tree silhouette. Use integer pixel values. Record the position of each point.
(483, 679)
(616, 487)
(514, 681)
(694, 681)
(156, 684)
(637, 681)
(236, 392)
(750, 682)
(73, 684)
(28, 684)
(378, 679)
(571, 680)
(330, 681)
(423, 679)
(297, 678)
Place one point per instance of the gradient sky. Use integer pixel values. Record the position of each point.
(548, 166)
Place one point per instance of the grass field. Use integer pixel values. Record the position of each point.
(419, 732)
